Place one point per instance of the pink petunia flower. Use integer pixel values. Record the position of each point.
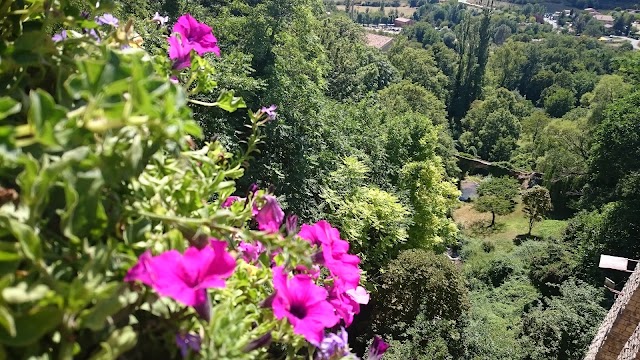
(179, 52)
(377, 348)
(185, 277)
(343, 266)
(197, 35)
(304, 304)
(250, 252)
(347, 304)
(270, 216)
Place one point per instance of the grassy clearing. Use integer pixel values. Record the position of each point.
(507, 227)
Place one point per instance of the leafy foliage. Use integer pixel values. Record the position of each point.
(537, 203)
(496, 195)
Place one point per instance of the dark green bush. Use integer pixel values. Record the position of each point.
(418, 282)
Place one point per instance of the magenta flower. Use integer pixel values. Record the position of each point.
(196, 35)
(179, 52)
(377, 348)
(230, 200)
(345, 304)
(343, 266)
(270, 216)
(250, 252)
(107, 19)
(270, 111)
(233, 199)
(59, 36)
(159, 19)
(185, 277)
(304, 305)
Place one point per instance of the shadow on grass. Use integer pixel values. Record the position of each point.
(482, 228)
(524, 237)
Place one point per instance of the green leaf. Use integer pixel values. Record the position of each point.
(96, 317)
(22, 293)
(230, 103)
(84, 215)
(30, 327)
(6, 320)
(120, 341)
(44, 115)
(8, 106)
(26, 236)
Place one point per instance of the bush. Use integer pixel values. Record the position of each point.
(418, 282)
(500, 268)
(488, 245)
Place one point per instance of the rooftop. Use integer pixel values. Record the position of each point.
(378, 41)
(401, 19)
(601, 17)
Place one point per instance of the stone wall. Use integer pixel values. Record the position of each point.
(618, 337)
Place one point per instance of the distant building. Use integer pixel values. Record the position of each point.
(606, 19)
(379, 41)
(402, 22)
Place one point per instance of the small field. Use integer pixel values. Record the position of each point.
(404, 10)
(507, 228)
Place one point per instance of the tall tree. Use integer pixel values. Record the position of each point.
(497, 196)
(537, 203)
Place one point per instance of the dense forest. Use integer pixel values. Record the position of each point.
(374, 142)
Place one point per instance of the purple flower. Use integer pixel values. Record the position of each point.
(196, 35)
(270, 112)
(188, 342)
(185, 277)
(335, 346)
(270, 216)
(291, 224)
(62, 35)
(180, 53)
(107, 19)
(377, 348)
(159, 19)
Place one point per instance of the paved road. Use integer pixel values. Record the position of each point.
(634, 42)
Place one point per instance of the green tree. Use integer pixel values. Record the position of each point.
(418, 283)
(497, 196)
(537, 203)
(558, 101)
(563, 326)
(419, 66)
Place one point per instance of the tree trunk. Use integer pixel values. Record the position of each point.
(530, 226)
(493, 219)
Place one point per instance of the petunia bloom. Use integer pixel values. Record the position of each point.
(107, 19)
(187, 343)
(62, 35)
(160, 19)
(270, 215)
(304, 305)
(334, 256)
(180, 53)
(270, 112)
(196, 35)
(250, 252)
(377, 348)
(185, 277)
(335, 346)
(347, 304)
